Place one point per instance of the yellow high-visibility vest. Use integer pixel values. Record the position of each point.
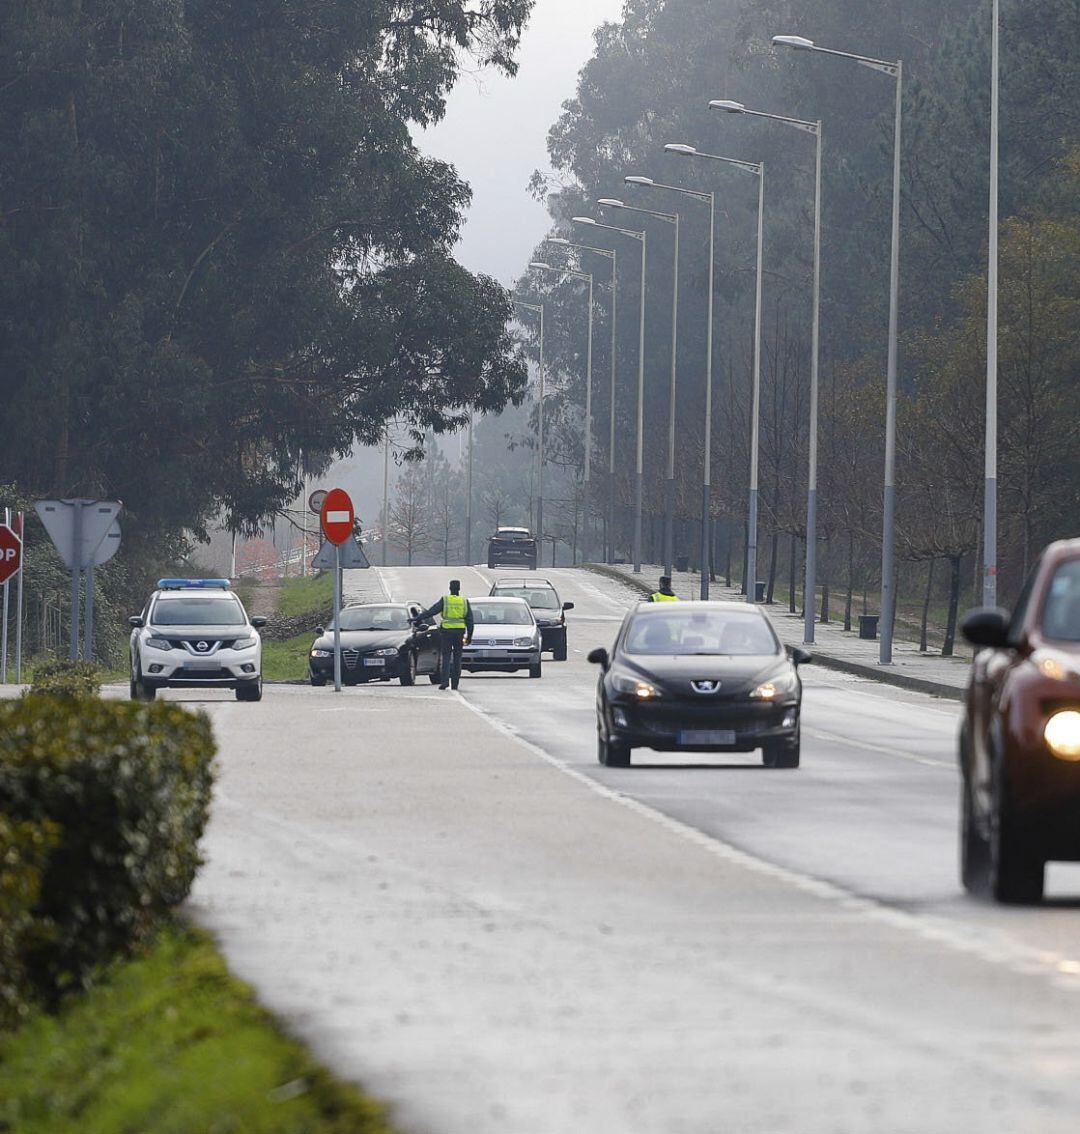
(453, 612)
(660, 597)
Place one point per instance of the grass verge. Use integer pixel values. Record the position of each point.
(309, 595)
(287, 661)
(170, 1043)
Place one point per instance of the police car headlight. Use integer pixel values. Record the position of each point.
(322, 653)
(1062, 734)
(388, 652)
(159, 643)
(244, 643)
(523, 641)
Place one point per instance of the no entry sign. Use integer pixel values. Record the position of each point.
(10, 554)
(337, 516)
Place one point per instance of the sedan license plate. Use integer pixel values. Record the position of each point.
(374, 661)
(707, 736)
(196, 665)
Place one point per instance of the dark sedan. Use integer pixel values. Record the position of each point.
(1020, 739)
(698, 677)
(378, 643)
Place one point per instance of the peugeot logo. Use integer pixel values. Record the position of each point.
(202, 647)
(705, 687)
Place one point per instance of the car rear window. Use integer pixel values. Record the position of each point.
(1061, 610)
(218, 610)
(540, 598)
(689, 632)
(501, 614)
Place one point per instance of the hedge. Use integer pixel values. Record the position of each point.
(59, 677)
(119, 793)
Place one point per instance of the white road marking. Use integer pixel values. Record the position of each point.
(877, 749)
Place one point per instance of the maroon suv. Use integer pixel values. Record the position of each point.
(1020, 740)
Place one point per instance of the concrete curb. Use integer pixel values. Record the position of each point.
(825, 660)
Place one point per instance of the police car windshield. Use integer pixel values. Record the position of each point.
(1061, 612)
(198, 610)
(542, 598)
(689, 632)
(374, 618)
(495, 613)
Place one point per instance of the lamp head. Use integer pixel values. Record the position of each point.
(798, 42)
(556, 240)
(728, 105)
(679, 148)
(583, 220)
(646, 181)
(541, 265)
(610, 203)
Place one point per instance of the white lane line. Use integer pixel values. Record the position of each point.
(877, 749)
(992, 947)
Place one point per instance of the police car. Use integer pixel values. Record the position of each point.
(195, 634)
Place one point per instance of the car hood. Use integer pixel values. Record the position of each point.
(501, 633)
(199, 633)
(364, 640)
(735, 674)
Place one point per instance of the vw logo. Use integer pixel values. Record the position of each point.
(705, 686)
(202, 647)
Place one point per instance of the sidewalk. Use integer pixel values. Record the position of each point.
(834, 647)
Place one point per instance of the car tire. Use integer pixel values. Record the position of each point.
(140, 690)
(491, 565)
(785, 755)
(612, 755)
(250, 691)
(536, 670)
(559, 652)
(974, 847)
(1017, 872)
(408, 677)
(434, 678)
(317, 681)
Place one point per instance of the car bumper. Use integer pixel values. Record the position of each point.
(226, 672)
(477, 659)
(552, 636)
(359, 668)
(691, 727)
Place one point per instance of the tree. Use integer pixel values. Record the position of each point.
(410, 514)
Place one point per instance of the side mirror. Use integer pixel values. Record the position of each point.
(320, 629)
(599, 657)
(258, 622)
(987, 627)
(136, 620)
(800, 656)
(568, 606)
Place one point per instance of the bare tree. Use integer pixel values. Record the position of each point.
(410, 515)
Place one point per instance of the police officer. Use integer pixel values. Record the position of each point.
(665, 593)
(455, 632)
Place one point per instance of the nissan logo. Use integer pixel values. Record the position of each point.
(202, 647)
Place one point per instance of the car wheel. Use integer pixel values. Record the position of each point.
(559, 653)
(250, 691)
(140, 690)
(974, 848)
(409, 676)
(1017, 873)
(784, 755)
(491, 565)
(133, 687)
(536, 670)
(317, 680)
(434, 678)
(612, 755)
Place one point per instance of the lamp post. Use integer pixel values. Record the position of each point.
(640, 236)
(710, 198)
(888, 527)
(538, 309)
(587, 276)
(669, 527)
(613, 256)
(385, 492)
(469, 492)
(758, 169)
(814, 128)
(990, 567)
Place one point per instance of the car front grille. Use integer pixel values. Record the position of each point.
(349, 658)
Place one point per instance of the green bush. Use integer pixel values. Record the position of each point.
(60, 677)
(127, 788)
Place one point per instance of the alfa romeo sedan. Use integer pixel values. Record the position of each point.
(698, 677)
(378, 643)
(505, 637)
(1020, 737)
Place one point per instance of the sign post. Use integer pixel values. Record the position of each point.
(19, 531)
(10, 564)
(336, 517)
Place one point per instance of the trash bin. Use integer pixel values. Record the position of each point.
(682, 562)
(868, 624)
(759, 591)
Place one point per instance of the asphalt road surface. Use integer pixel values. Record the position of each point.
(452, 902)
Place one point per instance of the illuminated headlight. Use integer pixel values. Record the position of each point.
(387, 652)
(244, 643)
(775, 687)
(1062, 735)
(322, 653)
(159, 643)
(643, 690)
(523, 641)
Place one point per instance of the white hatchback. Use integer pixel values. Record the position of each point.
(505, 637)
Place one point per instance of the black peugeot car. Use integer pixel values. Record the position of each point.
(698, 677)
(378, 643)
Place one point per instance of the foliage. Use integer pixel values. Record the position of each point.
(287, 660)
(310, 595)
(61, 677)
(170, 1043)
(127, 788)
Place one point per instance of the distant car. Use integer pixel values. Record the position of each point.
(512, 547)
(195, 634)
(505, 637)
(548, 611)
(698, 677)
(379, 642)
(1020, 737)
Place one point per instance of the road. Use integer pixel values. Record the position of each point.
(455, 904)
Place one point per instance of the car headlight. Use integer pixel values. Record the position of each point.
(643, 690)
(523, 641)
(775, 687)
(159, 643)
(386, 652)
(1062, 733)
(244, 643)
(322, 653)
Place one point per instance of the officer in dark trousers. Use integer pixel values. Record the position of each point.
(455, 632)
(665, 593)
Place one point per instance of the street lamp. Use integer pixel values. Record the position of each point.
(635, 234)
(612, 255)
(888, 528)
(990, 568)
(710, 198)
(541, 267)
(538, 308)
(815, 128)
(758, 169)
(669, 501)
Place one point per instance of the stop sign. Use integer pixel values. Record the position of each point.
(10, 553)
(337, 516)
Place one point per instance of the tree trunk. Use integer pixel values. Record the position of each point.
(825, 584)
(791, 574)
(773, 552)
(954, 603)
(850, 580)
(727, 565)
(923, 646)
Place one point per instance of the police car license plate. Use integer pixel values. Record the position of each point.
(196, 665)
(374, 661)
(707, 736)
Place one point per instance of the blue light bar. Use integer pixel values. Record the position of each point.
(197, 584)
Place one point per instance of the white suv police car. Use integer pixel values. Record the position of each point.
(195, 634)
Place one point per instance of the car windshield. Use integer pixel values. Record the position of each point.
(1061, 611)
(217, 610)
(494, 613)
(542, 598)
(374, 618)
(689, 632)
(512, 533)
